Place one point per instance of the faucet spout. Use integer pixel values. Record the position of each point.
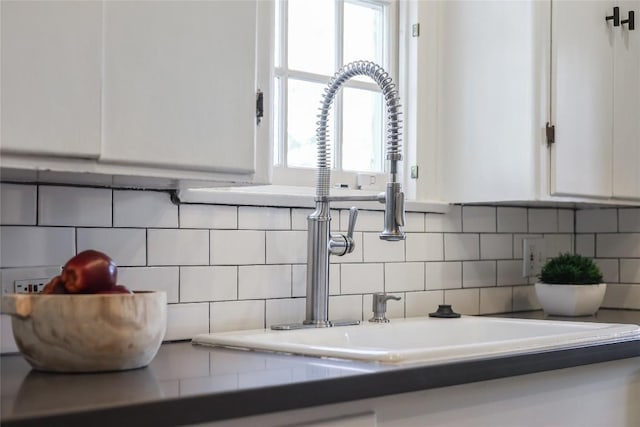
(320, 242)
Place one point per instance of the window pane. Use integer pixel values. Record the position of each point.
(311, 36)
(363, 32)
(304, 101)
(362, 130)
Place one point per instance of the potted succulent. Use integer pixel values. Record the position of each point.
(570, 285)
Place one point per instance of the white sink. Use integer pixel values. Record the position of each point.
(427, 340)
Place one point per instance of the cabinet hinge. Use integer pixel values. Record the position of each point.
(551, 134)
(259, 106)
(415, 30)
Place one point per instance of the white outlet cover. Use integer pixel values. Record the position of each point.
(9, 276)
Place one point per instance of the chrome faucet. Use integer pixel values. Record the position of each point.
(321, 243)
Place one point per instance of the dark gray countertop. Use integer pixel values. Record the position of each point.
(190, 384)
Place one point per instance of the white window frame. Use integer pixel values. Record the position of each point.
(283, 175)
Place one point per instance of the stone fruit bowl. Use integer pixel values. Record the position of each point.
(88, 332)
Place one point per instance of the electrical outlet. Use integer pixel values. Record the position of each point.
(29, 286)
(533, 256)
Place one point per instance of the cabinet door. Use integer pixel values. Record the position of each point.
(180, 84)
(50, 84)
(626, 107)
(582, 96)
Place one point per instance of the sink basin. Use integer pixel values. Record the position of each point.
(428, 340)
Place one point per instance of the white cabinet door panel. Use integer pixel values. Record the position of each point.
(179, 84)
(50, 84)
(582, 96)
(626, 107)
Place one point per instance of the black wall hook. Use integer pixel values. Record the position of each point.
(615, 17)
(631, 20)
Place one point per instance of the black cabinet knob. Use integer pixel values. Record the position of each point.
(630, 21)
(615, 17)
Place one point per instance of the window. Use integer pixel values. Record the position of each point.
(313, 40)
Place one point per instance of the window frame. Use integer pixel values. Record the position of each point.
(287, 175)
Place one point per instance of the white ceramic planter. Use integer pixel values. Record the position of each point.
(570, 300)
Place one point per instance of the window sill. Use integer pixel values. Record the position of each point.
(292, 196)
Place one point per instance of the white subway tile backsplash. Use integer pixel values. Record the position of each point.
(177, 247)
(261, 218)
(525, 299)
(458, 247)
(74, 206)
(478, 219)
(144, 209)
(237, 247)
(218, 283)
(7, 342)
(208, 216)
(443, 275)
(347, 307)
(264, 281)
(239, 267)
(184, 321)
(566, 221)
(361, 278)
(126, 246)
(609, 269)
(463, 301)
(543, 221)
(451, 222)
(496, 300)
(618, 245)
(420, 304)
(283, 311)
(622, 296)
(18, 204)
(512, 220)
(630, 270)
(596, 221)
(36, 246)
(377, 250)
(402, 276)
(424, 246)
(509, 272)
(151, 279)
(478, 273)
(414, 222)
(586, 245)
(237, 315)
(556, 244)
(367, 220)
(629, 220)
(496, 246)
(286, 247)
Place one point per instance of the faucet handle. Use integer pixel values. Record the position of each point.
(379, 306)
(353, 216)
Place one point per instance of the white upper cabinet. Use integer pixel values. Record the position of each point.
(180, 85)
(508, 69)
(144, 88)
(626, 107)
(50, 77)
(582, 98)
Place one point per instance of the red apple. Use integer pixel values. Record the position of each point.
(89, 272)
